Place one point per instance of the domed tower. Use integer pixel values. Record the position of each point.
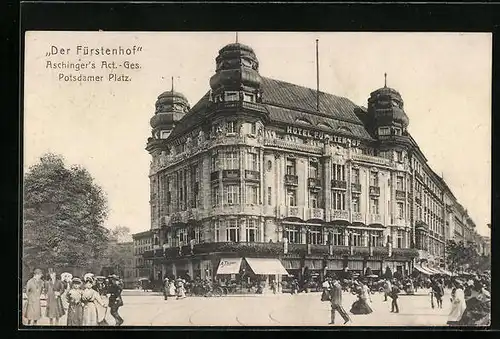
(387, 115)
(170, 108)
(236, 75)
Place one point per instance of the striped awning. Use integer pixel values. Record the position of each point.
(423, 270)
(432, 270)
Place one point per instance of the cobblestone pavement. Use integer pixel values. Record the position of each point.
(273, 310)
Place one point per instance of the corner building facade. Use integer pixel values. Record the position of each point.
(261, 168)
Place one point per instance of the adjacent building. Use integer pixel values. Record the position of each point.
(142, 242)
(266, 176)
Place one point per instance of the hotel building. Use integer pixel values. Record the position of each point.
(288, 178)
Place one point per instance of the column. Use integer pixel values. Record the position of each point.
(190, 269)
(261, 231)
(365, 238)
(243, 199)
(327, 170)
(262, 168)
(242, 229)
(303, 235)
(346, 237)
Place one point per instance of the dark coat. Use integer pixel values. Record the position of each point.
(115, 295)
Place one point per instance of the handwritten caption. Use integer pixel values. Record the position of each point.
(93, 64)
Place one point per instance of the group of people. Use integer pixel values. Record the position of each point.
(82, 300)
(174, 287)
(471, 302)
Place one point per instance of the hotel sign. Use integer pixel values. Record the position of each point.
(318, 135)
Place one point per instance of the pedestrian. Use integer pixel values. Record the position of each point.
(34, 287)
(181, 291)
(90, 300)
(394, 296)
(74, 300)
(115, 298)
(458, 304)
(361, 306)
(387, 288)
(165, 288)
(53, 290)
(171, 288)
(66, 279)
(439, 293)
(336, 302)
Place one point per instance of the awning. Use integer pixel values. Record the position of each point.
(423, 270)
(265, 266)
(229, 266)
(432, 270)
(445, 271)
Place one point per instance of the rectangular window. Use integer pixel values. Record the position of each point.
(253, 162)
(214, 162)
(248, 97)
(397, 131)
(373, 178)
(356, 239)
(291, 197)
(231, 127)
(399, 156)
(375, 238)
(384, 131)
(232, 160)
(198, 235)
(251, 230)
(269, 196)
(355, 175)
(253, 128)
(338, 172)
(401, 210)
(355, 203)
(252, 194)
(313, 169)
(338, 200)
(315, 237)
(374, 206)
(293, 235)
(399, 183)
(217, 231)
(232, 230)
(313, 200)
(231, 96)
(232, 194)
(338, 238)
(290, 166)
(400, 243)
(215, 196)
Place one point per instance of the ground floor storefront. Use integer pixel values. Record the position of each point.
(272, 264)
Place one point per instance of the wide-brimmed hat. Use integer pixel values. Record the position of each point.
(37, 271)
(51, 270)
(76, 280)
(113, 276)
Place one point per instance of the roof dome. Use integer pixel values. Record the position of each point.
(388, 106)
(237, 67)
(170, 107)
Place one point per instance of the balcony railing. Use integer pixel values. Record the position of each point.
(314, 183)
(340, 215)
(356, 188)
(400, 195)
(358, 217)
(316, 213)
(374, 219)
(339, 184)
(231, 174)
(291, 180)
(374, 190)
(252, 175)
(214, 175)
(293, 211)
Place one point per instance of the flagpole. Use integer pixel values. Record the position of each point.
(317, 75)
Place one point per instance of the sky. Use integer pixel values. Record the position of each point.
(444, 79)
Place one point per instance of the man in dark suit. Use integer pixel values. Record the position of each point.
(115, 298)
(336, 301)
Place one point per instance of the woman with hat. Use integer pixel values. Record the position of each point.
(457, 304)
(34, 287)
(75, 307)
(90, 300)
(54, 289)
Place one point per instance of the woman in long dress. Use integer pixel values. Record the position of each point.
(181, 291)
(457, 304)
(361, 306)
(74, 300)
(171, 288)
(478, 307)
(54, 289)
(90, 300)
(33, 308)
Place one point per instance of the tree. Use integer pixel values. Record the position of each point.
(120, 234)
(64, 213)
(118, 251)
(460, 255)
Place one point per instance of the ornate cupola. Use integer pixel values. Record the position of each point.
(386, 112)
(236, 75)
(170, 108)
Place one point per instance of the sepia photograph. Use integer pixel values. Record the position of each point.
(335, 179)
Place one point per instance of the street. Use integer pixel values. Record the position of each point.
(272, 310)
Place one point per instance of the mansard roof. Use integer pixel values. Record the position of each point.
(287, 103)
